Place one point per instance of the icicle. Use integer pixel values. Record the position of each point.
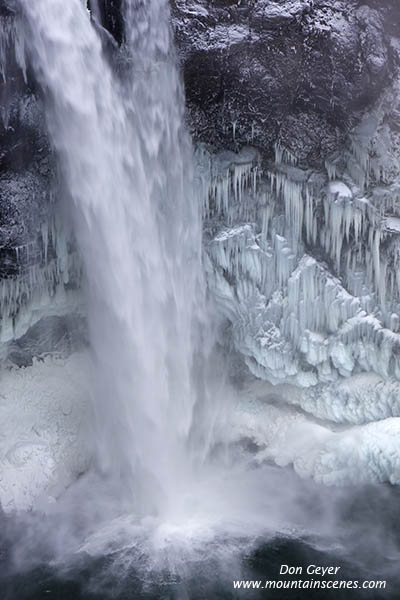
(12, 40)
(231, 179)
(394, 322)
(41, 278)
(267, 213)
(331, 170)
(20, 53)
(285, 260)
(310, 218)
(376, 257)
(315, 314)
(292, 195)
(284, 156)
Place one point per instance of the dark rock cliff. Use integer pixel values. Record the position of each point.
(298, 71)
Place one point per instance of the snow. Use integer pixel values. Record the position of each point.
(44, 430)
(393, 224)
(193, 9)
(340, 189)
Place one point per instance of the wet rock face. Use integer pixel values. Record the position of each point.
(5, 8)
(299, 71)
(108, 14)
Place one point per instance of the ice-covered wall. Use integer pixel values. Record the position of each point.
(304, 263)
(47, 282)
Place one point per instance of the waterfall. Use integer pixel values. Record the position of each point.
(126, 162)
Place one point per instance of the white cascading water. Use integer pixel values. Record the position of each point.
(126, 160)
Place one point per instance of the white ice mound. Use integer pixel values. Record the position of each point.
(339, 189)
(360, 399)
(43, 432)
(329, 454)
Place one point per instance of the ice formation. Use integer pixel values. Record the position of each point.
(48, 282)
(304, 264)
